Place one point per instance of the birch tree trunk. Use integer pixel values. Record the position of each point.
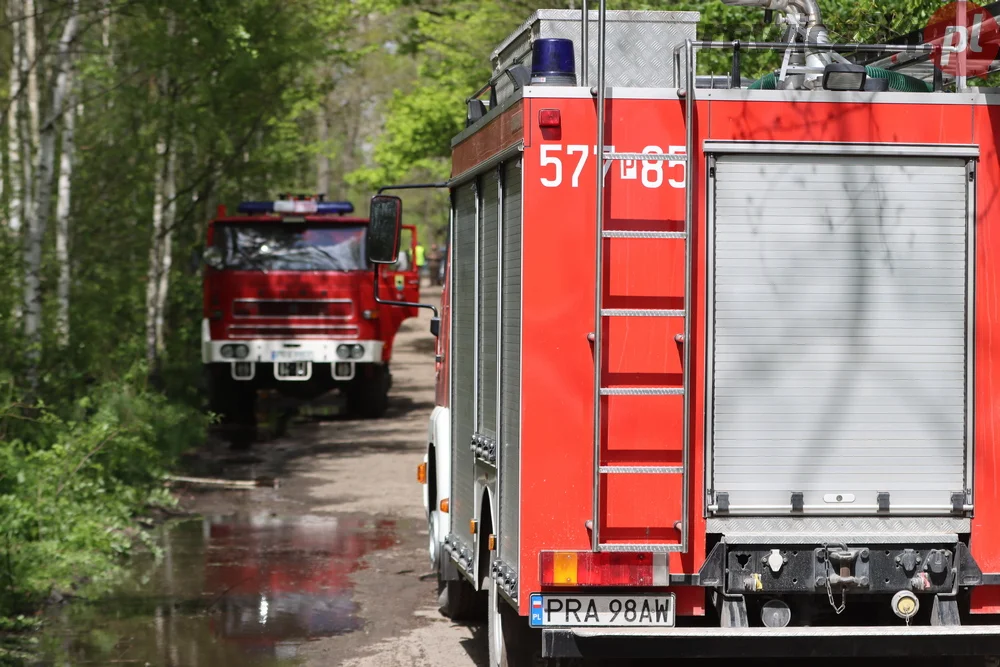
(164, 210)
(31, 64)
(166, 257)
(13, 111)
(322, 154)
(155, 256)
(29, 140)
(38, 219)
(64, 191)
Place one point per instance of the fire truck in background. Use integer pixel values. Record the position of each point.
(718, 369)
(289, 304)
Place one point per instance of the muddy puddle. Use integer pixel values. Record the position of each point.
(243, 591)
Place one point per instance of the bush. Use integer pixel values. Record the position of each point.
(72, 480)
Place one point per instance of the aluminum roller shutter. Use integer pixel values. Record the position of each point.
(510, 374)
(463, 336)
(489, 273)
(839, 332)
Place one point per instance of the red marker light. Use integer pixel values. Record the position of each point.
(549, 118)
(586, 568)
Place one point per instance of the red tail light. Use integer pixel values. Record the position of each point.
(549, 118)
(586, 568)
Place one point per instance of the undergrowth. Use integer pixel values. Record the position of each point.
(73, 479)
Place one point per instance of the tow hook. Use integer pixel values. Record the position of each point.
(837, 566)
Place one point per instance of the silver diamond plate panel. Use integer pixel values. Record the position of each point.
(626, 234)
(641, 548)
(635, 312)
(640, 45)
(863, 527)
(643, 391)
(645, 157)
(642, 470)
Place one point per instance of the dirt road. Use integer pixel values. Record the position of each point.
(368, 468)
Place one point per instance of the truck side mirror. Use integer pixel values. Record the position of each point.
(213, 257)
(435, 326)
(385, 221)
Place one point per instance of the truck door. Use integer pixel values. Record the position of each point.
(401, 281)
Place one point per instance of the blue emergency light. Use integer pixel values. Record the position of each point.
(300, 206)
(552, 62)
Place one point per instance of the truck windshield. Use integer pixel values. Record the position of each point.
(292, 247)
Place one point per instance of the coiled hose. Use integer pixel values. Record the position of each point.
(898, 82)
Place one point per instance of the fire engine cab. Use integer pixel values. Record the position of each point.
(289, 304)
(719, 372)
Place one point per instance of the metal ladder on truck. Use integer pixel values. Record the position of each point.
(601, 468)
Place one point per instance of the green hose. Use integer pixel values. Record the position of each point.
(898, 82)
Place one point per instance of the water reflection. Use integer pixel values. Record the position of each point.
(229, 590)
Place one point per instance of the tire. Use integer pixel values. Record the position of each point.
(368, 395)
(243, 417)
(219, 391)
(512, 642)
(458, 600)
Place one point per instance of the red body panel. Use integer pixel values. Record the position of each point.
(985, 536)
(557, 453)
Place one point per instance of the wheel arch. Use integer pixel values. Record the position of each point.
(484, 528)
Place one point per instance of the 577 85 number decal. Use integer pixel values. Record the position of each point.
(558, 162)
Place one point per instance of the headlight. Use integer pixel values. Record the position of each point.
(344, 351)
(357, 351)
(241, 351)
(228, 351)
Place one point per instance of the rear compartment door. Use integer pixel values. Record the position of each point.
(839, 356)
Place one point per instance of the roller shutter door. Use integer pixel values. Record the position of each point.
(838, 330)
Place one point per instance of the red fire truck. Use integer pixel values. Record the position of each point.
(289, 304)
(718, 372)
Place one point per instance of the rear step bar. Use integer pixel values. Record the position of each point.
(799, 642)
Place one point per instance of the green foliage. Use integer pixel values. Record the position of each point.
(70, 485)
(233, 87)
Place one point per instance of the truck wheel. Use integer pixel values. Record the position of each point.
(243, 417)
(368, 395)
(458, 600)
(219, 391)
(512, 642)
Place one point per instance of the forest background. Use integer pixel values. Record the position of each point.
(123, 124)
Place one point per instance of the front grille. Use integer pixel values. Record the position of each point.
(318, 308)
(287, 331)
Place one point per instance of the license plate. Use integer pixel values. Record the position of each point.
(291, 355)
(563, 611)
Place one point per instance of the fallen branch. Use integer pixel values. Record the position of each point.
(223, 483)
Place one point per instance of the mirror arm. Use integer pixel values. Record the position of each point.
(406, 304)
